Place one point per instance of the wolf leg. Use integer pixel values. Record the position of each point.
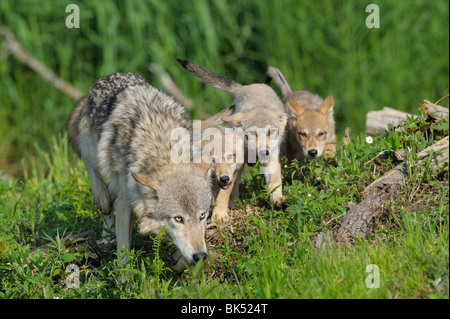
(88, 150)
(273, 180)
(124, 224)
(220, 210)
(108, 219)
(329, 150)
(236, 179)
(100, 191)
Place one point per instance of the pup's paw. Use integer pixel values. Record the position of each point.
(221, 214)
(279, 203)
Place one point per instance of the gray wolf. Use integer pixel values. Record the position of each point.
(122, 129)
(260, 115)
(311, 130)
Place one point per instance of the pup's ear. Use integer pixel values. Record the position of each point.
(204, 169)
(233, 119)
(145, 180)
(327, 105)
(297, 107)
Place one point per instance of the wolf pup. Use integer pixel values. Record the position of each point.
(223, 153)
(259, 113)
(312, 132)
(123, 130)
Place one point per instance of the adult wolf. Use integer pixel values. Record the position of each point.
(123, 130)
(259, 113)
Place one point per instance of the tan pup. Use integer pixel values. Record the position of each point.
(312, 133)
(222, 148)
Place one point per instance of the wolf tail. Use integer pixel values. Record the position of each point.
(216, 80)
(73, 124)
(280, 81)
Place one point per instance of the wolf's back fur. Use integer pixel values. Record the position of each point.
(73, 124)
(140, 133)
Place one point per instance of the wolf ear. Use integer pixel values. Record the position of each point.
(204, 169)
(285, 116)
(327, 105)
(234, 118)
(145, 180)
(297, 107)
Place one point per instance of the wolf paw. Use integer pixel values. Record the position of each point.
(280, 202)
(178, 262)
(221, 214)
(104, 203)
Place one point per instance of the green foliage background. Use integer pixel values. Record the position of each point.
(322, 46)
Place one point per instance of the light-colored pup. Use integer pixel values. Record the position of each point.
(222, 147)
(312, 132)
(260, 115)
(123, 130)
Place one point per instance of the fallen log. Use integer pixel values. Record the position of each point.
(435, 111)
(359, 220)
(377, 122)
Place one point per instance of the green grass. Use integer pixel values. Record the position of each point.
(267, 254)
(322, 46)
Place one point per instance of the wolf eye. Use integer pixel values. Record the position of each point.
(179, 219)
(202, 216)
(302, 134)
(321, 134)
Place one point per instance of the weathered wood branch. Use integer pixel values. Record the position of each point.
(435, 111)
(16, 49)
(377, 121)
(358, 221)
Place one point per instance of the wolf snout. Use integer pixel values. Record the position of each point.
(224, 181)
(199, 255)
(312, 153)
(264, 155)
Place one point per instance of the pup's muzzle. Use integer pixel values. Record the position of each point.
(312, 153)
(264, 155)
(224, 182)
